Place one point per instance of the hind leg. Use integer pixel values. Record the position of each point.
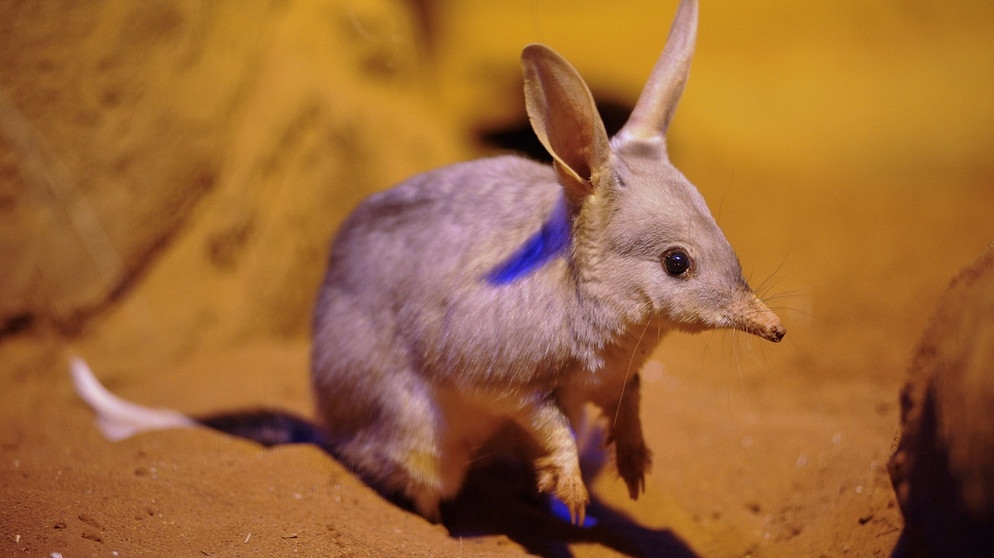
(406, 448)
(379, 414)
(400, 452)
(429, 464)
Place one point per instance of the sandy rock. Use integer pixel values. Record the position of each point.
(250, 131)
(943, 468)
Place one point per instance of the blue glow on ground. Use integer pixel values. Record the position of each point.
(559, 509)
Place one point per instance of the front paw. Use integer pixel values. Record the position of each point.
(633, 461)
(566, 484)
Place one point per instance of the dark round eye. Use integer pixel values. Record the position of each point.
(676, 262)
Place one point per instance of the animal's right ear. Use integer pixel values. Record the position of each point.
(565, 119)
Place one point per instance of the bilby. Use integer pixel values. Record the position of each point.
(503, 291)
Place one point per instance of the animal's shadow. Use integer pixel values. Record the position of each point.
(498, 496)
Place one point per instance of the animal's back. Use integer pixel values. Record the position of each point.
(446, 224)
(452, 265)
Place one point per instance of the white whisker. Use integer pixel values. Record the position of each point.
(628, 373)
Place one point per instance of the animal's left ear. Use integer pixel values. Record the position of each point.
(657, 103)
(565, 119)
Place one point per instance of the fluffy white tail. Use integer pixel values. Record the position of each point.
(119, 419)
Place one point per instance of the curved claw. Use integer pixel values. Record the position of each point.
(636, 486)
(632, 464)
(567, 487)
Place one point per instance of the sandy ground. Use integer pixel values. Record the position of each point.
(851, 196)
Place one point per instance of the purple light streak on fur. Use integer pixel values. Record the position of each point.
(545, 245)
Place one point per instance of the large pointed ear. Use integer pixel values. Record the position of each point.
(658, 100)
(565, 119)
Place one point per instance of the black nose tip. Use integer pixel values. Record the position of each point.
(777, 334)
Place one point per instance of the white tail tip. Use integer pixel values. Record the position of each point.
(119, 419)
